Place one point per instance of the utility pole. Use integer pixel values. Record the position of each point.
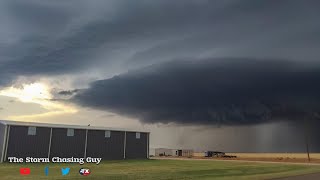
(306, 133)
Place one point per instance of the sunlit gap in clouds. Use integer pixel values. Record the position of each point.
(37, 93)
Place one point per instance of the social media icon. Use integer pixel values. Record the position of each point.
(46, 171)
(24, 171)
(84, 171)
(65, 171)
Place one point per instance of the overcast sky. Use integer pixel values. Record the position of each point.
(231, 75)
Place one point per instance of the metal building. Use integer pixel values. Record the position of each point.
(26, 139)
(184, 152)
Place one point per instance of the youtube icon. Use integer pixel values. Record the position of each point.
(24, 171)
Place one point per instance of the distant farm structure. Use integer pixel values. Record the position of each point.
(173, 152)
(190, 153)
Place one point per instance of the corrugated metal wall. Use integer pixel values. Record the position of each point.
(107, 148)
(67, 146)
(136, 148)
(21, 144)
(2, 140)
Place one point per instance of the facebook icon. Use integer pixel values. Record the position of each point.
(46, 171)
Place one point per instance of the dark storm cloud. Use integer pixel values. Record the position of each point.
(39, 14)
(53, 38)
(68, 93)
(224, 91)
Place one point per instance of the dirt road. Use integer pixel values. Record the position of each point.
(315, 176)
(298, 163)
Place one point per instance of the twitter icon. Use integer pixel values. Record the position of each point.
(65, 171)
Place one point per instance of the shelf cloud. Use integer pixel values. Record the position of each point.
(212, 91)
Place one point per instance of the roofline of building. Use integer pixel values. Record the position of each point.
(52, 125)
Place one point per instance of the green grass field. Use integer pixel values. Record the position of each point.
(159, 169)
